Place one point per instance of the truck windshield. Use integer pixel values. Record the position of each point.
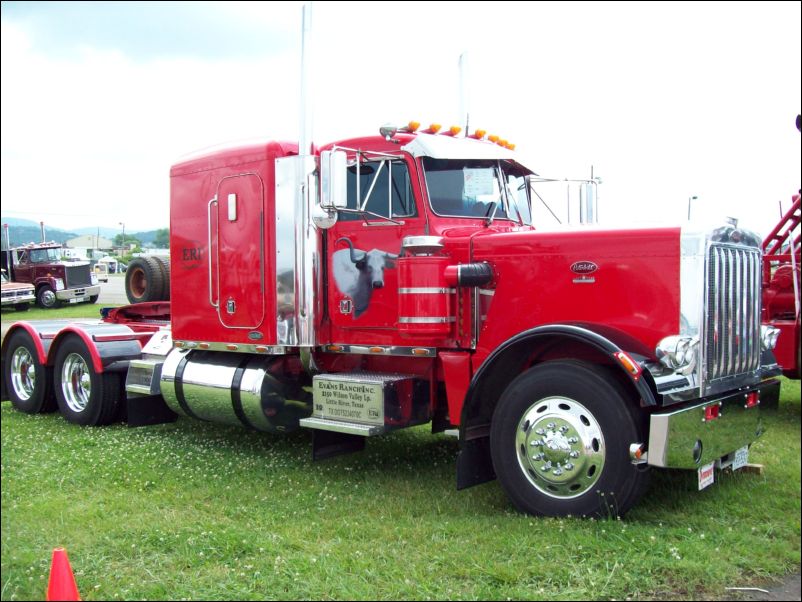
(45, 255)
(477, 188)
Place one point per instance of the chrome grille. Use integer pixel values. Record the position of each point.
(78, 275)
(733, 311)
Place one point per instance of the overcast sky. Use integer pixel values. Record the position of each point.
(665, 100)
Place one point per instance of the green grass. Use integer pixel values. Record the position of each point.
(77, 310)
(200, 511)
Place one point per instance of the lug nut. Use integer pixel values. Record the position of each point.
(557, 472)
(569, 466)
(550, 426)
(574, 454)
(546, 467)
(540, 431)
(564, 428)
(573, 440)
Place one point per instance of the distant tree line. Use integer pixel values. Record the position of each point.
(21, 235)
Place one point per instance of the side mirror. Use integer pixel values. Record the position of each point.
(333, 189)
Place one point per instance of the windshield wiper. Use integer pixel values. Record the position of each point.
(491, 213)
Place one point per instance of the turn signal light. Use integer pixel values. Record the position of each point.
(628, 363)
(752, 399)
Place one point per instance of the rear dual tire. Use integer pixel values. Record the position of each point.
(28, 380)
(84, 396)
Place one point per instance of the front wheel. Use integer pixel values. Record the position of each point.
(46, 298)
(560, 442)
(84, 396)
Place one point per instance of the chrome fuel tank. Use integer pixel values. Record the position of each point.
(233, 388)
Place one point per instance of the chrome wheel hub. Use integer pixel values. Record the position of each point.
(76, 382)
(48, 298)
(560, 447)
(23, 373)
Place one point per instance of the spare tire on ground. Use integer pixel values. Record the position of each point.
(144, 280)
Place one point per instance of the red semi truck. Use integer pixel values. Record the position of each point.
(781, 287)
(782, 284)
(388, 281)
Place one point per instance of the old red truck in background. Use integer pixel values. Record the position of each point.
(56, 281)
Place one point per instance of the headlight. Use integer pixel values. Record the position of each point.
(768, 337)
(678, 353)
(59, 284)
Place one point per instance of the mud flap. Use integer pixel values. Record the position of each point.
(328, 444)
(474, 463)
(146, 410)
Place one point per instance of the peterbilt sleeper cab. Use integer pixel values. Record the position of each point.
(390, 281)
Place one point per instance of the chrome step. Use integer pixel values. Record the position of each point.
(143, 376)
(336, 426)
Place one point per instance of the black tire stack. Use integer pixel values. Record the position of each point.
(148, 279)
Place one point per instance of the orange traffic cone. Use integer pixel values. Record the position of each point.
(61, 585)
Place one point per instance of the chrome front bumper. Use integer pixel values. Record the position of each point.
(78, 293)
(690, 437)
(21, 298)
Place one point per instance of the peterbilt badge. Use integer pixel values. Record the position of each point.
(584, 267)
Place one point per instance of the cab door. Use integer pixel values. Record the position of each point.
(23, 269)
(238, 244)
(365, 243)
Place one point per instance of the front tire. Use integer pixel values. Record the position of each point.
(46, 298)
(560, 441)
(28, 381)
(84, 396)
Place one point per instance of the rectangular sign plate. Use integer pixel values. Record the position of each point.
(741, 458)
(707, 474)
(349, 401)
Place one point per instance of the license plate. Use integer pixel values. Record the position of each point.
(349, 401)
(741, 458)
(707, 475)
(79, 299)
